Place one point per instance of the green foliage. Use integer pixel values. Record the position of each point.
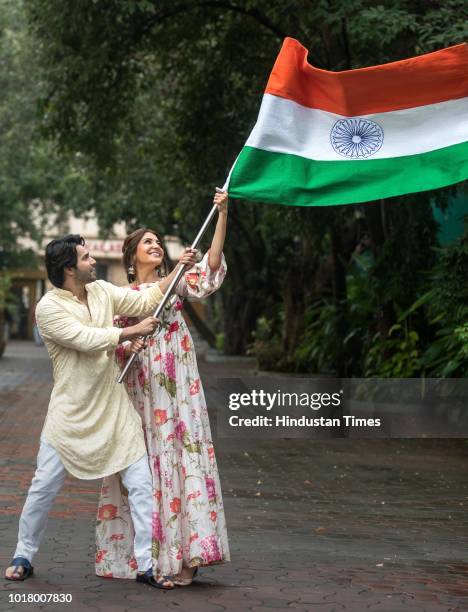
(35, 180)
(266, 346)
(220, 341)
(447, 311)
(395, 356)
(462, 335)
(317, 351)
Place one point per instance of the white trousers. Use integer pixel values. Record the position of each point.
(47, 482)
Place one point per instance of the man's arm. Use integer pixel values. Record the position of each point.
(130, 303)
(61, 327)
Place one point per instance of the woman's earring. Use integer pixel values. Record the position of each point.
(131, 270)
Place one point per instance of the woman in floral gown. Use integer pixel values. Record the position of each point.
(189, 528)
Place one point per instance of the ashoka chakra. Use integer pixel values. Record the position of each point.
(356, 138)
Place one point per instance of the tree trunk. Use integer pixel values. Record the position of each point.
(339, 298)
(375, 217)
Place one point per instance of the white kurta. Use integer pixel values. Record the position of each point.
(91, 421)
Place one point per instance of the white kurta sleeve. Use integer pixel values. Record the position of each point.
(61, 327)
(130, 303)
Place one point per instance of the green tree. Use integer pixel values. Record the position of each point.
(35, 179)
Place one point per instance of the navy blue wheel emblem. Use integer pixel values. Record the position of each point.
(356, 138)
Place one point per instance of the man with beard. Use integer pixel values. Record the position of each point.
(91, 429)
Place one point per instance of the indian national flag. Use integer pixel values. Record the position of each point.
(325, 138)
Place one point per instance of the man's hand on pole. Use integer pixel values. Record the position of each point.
(135, 346)
(146, 327)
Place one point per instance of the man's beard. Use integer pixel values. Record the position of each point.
(85, 277)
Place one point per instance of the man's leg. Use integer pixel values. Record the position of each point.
(47, 482)
(139, 484)
(138, 481)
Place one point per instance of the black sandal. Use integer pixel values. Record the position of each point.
(157, 583)
(28, 569)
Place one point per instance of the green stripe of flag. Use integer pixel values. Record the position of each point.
(296, 181)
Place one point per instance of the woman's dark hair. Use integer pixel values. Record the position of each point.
(129, 249)
(60, 254)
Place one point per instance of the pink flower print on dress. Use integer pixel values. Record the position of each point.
(173, 327)
(211, 453)
(157, 527)
(141, 377)
(210, 489)
(178, 305)
(160, 416)
(157, 465)
(210, 549)
(121, 321)
(169, 365)
(117, 536)
(185, 343)
(133, 564)
(180, 429)
(195, 387)
(191, 278)
(120, 354)
(100, 554)
(107, 512)
(175, 505)
(193, 495)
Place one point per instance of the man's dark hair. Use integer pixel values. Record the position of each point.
(60, 254)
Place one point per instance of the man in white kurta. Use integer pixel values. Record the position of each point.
(91, 421)
(91, 429)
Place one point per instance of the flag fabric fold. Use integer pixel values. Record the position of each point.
(325, 138)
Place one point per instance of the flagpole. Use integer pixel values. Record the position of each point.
(173, 284)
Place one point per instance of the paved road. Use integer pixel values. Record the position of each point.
(314, 525)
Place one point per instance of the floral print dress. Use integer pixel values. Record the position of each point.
(188, 516)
